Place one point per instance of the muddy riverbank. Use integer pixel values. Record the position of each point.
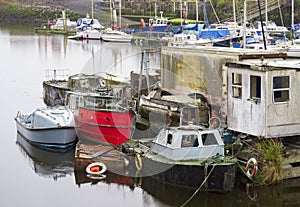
(30, 11)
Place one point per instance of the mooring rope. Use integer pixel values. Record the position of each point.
(204, 181)
(244, 172)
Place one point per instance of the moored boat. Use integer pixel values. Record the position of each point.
(102, 117)
(116, 36)
(188, 156)
(51, 127)
(169, 107)
(63, 24)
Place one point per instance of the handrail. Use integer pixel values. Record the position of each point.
(61, 74)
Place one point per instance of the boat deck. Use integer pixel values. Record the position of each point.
(110, 156)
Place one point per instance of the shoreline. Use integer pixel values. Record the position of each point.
(30, 11)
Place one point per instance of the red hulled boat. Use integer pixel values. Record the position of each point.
(103, 118)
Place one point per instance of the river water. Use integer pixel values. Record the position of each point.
(33, 177)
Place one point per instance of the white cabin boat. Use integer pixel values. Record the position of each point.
(62, 24)
(188, 156)
(116, 36)
(270, 27)
(88, 28)
(183, 39)
(158, 21)
(51, 127)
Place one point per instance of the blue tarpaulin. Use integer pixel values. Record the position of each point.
(213, 33)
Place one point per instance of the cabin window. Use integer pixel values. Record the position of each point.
(169, 138)
(281, 89)
(209, 139)
(237, 85)
(255, 87)
(190, 140)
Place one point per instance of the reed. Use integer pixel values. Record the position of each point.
(271, 151)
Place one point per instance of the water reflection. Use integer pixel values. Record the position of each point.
(82, 178)
(46, 163)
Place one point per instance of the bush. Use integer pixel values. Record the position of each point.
(271, 151)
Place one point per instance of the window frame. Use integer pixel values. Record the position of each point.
(254, 95)
(288, 89)
(237, 85)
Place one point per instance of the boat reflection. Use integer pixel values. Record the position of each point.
(45, 163)
(244, 194)
(107, 177)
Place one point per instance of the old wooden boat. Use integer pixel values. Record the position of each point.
(103, 113)
(164, 107)
(103, 117)
(107, 158)
(55, 89)
(187, 156)
(50, 127)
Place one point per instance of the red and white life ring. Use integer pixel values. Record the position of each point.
(251, 168)
(96, 168)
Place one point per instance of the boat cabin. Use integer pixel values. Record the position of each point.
(87, 22)
(43, 118)
(263, 97)
(188, 142)
(158, 21)
(183, 39)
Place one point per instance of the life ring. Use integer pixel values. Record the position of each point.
(96, 168)
(251, 168)
(102, 83)
(215, 122)
(138, 162)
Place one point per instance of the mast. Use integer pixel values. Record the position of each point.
(262, 28)
(196, 10)
(180, 13)
(110, 7)
(234, 15)
(266, 3)
(244, 25)
(120, 8)
(92, 9)
(292, 25)
(205, 14)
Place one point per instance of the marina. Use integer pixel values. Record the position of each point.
(207, 121)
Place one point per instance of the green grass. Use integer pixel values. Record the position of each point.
(271, 151)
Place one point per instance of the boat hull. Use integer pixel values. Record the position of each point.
(220, 177)
(63, 137)
(116, 38)
(104, 127)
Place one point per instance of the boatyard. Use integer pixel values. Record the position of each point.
(149, 111)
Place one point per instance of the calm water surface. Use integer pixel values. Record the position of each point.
(33, 177)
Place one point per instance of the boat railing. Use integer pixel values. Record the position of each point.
(57, 74)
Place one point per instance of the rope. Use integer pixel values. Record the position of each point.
(244, 172)
(204, 181)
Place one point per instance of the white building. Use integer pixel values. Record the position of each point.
(263, 97)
